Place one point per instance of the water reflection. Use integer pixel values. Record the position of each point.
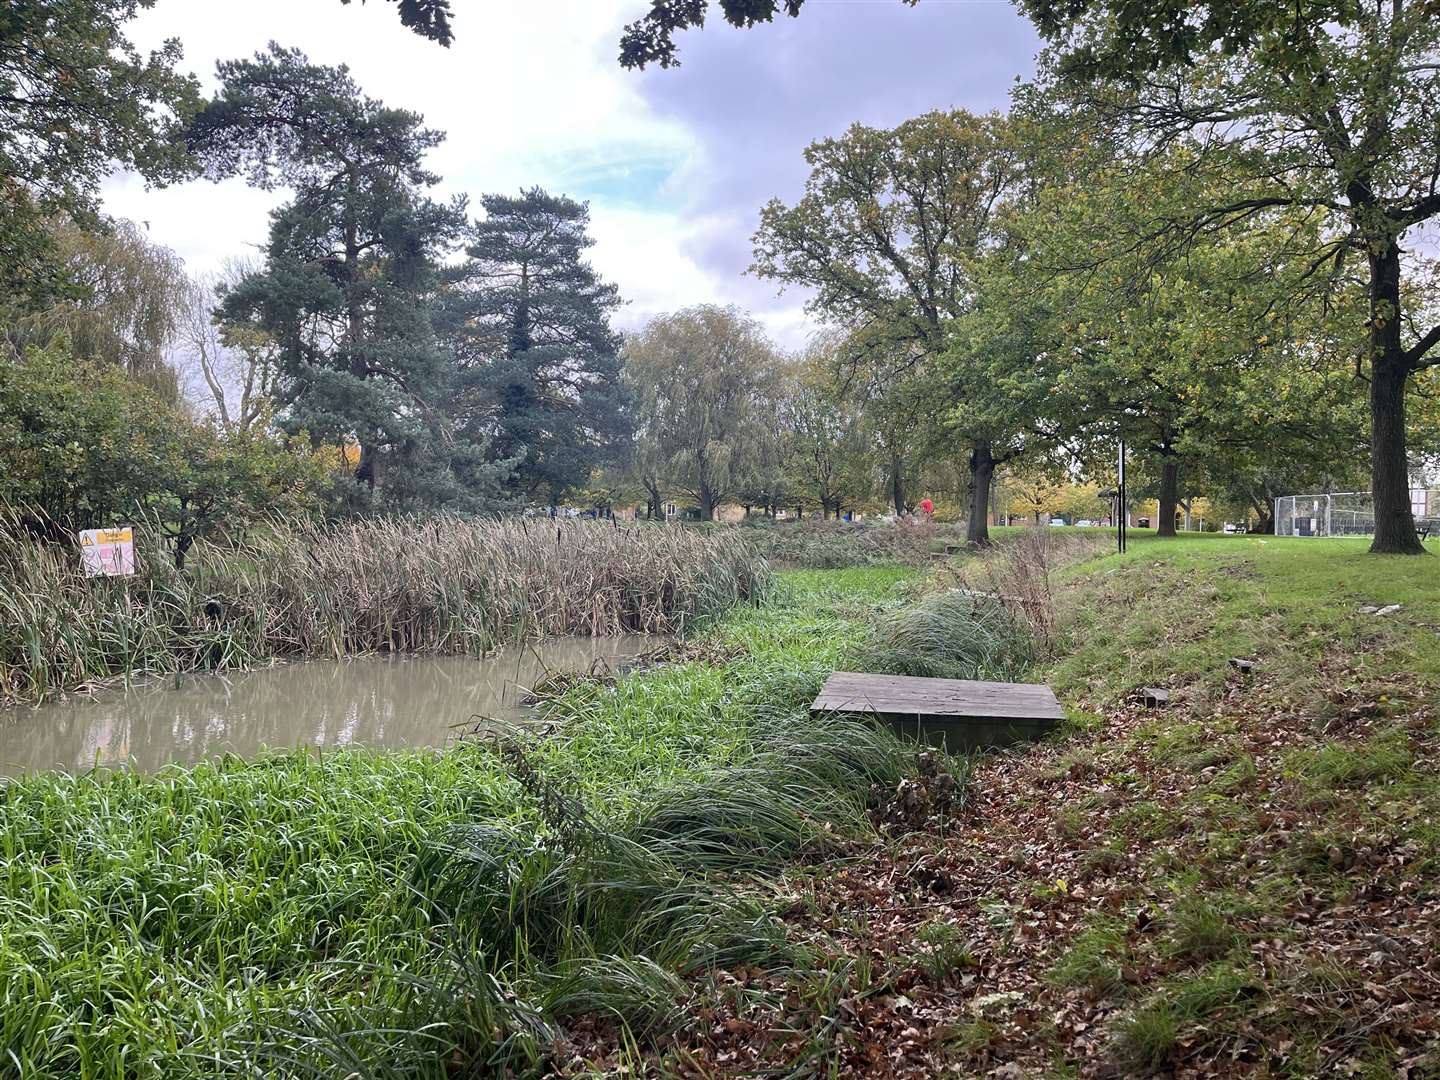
(373, 701)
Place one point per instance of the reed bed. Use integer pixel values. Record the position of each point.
(294, 591)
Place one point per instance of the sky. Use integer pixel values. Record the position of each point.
(674, 164)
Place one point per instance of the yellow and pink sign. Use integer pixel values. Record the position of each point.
(108, 552)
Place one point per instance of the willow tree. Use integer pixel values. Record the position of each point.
(885, 235)
(700, 377)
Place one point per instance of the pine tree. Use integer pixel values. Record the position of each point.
(351, 281)
(542, 364)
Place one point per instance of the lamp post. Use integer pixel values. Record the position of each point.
(1120, 502)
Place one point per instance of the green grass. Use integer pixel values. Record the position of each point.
(1174, 611)
(304, 912)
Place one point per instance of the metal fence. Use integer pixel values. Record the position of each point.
(1347, 513)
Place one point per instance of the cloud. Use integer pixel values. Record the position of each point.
(675, 164)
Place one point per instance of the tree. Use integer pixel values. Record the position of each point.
(351, 279)
(1035, 490)
(76, 100)
(214, 481)
(229, 369)
(827, 443)
(123, 310)
(1226, 351)
(885, 234)
(1328, 109)
(84, 445)
(651, 39)
(542, 363)
(700, 374)
(428, 18)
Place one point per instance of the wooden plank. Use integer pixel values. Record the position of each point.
(901, 695)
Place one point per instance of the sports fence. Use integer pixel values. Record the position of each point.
(1348, 513)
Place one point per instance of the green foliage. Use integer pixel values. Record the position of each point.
(428, 18)
(700, 379)
(950, 635)
(349, 286)
(426, 912)
(1337, 110)
(122, 313)
(826, 441)
(651, 39)
(885, 235)
(76, 99)
(540, 365)
(84, 446)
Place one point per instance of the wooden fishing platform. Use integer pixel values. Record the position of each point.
(959, 714)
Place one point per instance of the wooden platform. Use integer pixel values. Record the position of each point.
(957, 713)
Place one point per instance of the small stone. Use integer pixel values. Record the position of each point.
(1244, 665)
(1155, 697)
(1388, 609)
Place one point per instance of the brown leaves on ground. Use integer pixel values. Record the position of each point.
(1252, 892)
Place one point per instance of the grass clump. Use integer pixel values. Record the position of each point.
(950, 635)
(1384, 759)
(1095, 958)
(945, 951)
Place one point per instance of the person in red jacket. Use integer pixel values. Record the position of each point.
(928, 507)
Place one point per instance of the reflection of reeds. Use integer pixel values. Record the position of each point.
(299, 590)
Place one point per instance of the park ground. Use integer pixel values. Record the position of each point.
(695, 879)
(1245, 883)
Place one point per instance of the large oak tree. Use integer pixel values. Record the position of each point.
(886, 234)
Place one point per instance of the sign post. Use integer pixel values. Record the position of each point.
(108, 552)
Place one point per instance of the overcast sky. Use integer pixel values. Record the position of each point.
(675, 164)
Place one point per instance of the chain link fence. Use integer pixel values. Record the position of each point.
(1348, 513)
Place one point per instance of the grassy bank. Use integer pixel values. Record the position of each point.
(442, 586)
(435, 913)
(1246, 883)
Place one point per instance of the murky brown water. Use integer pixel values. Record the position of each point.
(372, 701)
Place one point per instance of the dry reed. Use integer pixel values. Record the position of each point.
(443, 585)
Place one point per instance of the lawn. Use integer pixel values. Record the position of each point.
(1246, 883)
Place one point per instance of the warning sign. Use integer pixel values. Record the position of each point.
(108, 552)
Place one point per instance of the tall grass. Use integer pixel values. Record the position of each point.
(956, 634)
(434, 913)
(291, 591)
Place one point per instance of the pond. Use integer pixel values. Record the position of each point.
(378, 701)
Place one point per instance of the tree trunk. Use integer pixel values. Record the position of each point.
(183, 543)
(1169, 496)
(982, 471)
(707, 503)
(1389, 466)
(897, 486)
(1264, 512)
